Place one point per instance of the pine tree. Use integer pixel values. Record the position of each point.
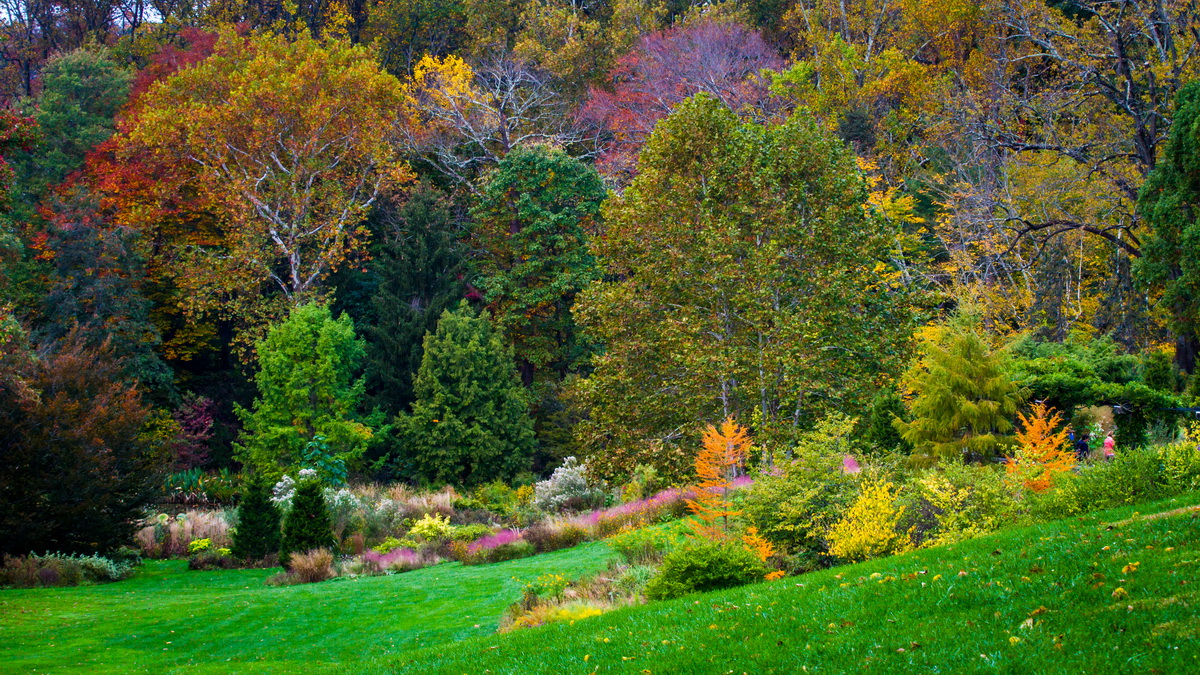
(470, 423)
(307, 525)
(965, 399)
(257, 533)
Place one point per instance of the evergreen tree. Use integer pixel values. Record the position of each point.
(307, 525)
(257, 533)
(965, 399)
(308, 387)
(417, 271)
(81, 94)
(1170, 203)
(470, 423)
(881, 430)
(1157, 372)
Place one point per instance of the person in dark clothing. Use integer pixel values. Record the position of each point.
(1082, 449)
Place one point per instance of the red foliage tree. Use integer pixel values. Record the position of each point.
(721, 58)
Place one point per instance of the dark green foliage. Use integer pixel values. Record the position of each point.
(470, 423)
(416, 274)
(1157, 372)
(880, 431)
(533, 220)
(257, 533)
(1170, 203)
(307, 525)
(705, 566)
(794, 507)
(1064, 375)
(98, 274)
(81, 94)
(77, 471)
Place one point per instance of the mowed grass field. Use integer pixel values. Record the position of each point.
(1043, 599)
(167, 619)
(1034, 600)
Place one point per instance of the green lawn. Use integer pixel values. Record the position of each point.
(1026, 600)
(1033, 600)
(167, 619)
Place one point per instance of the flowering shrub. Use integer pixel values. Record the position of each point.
(869, 528)
(568, 488)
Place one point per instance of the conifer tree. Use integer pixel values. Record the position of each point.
(881, 432)
(307, 525)
(308, 387)
(417, 268)
(257, 533)
(965, 399)
(470, 423)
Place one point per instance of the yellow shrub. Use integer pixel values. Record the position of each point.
(869, 528)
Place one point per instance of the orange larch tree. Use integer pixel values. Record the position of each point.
(724, 449)
(1043, 452)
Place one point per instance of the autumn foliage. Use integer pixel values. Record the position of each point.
(1043, 453)
(724, 449)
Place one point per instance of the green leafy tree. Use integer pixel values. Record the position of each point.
(308, 386)
(741, 277)
(257, 533)
(307, 525)
(533, 220)
(1170, 203)
(966, 399)
(81, 94)
(470, 423)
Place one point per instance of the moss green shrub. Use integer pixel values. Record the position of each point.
(705, 566)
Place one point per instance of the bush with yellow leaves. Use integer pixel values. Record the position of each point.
(870, 528)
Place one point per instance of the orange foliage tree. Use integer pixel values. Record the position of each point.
(1043, 453)
(724, 449)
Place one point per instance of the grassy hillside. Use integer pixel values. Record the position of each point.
(1093, 594)
(167, 619)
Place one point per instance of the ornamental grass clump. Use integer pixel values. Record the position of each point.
(166, 536)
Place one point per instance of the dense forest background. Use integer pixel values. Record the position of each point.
(497, 233)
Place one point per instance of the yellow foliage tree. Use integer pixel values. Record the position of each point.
(870, 528)
(1043, 453)
(724, 449)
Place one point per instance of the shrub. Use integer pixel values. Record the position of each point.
(643, 546)
(794, 506)
(198, 545)
(633, 579)
(58, 569)
(431, 527)
(166, 536)
(954, 502)
(312, 566)
(568, 488)
(257, 533)
(550, 536)
(869, 528)
(469, 533)
(212, 559)
(1135, 475)
(1181, 463)
(705, 566)
(307, 525)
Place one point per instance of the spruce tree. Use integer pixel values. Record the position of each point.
(966, 400)
(1157, 373)
(307, 525)
(257, 533)
(470, 423)
(417, 271)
